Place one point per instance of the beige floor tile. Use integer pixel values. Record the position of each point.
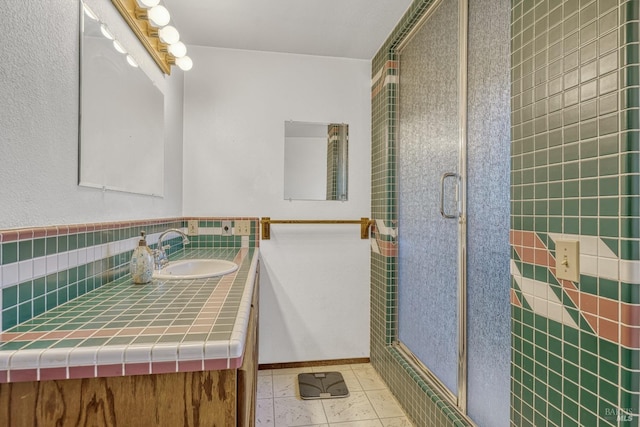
(264, 413)
(265, 387)
(369, 379)
(385, 405)
(293, 412)
(396, 422)
(285, 385)
(361, 423)
(356, 407)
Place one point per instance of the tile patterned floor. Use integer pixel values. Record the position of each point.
(370, 403)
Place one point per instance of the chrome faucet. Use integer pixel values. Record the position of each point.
(159, 254)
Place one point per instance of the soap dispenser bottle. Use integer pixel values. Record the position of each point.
(141, 265)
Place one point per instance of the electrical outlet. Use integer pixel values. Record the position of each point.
(227, 230)
(568, 260)
(192, 227)
(243, 227)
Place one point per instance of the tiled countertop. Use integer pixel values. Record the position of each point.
(126, 329)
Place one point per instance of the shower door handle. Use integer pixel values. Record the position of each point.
(442, 180)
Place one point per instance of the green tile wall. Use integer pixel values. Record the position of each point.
(20, 250)
(574, 173)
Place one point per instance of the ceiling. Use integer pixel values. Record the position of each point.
(341, 28)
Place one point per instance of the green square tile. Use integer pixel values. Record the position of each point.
(51, 245)
(609, 206)
(571, 225)
(608, 227)
(9, 252)
(25, 250)
(572, 170)
(39, 248)
(589, 168)
(608, 391)
(589, 207)
(572, 207)
(25, 292)
(9, 297)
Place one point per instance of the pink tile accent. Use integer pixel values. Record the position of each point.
(110, 370)
(514, 299)
(56, 335)
(189, 365)
(630, 336)
(6, 337)
(32, 336)
(82, 333)
(630, 314)
(19, 375)
(592, 321)
(588, 303)
(105, 333)
(137, 368)
(53, 374)
(163, 367)
(215, 364)
(9, 236)
(608, 308)
(130, 331)
(4, 377)
(235, 362)
(82, 372)
(609, 330)
(39, 232)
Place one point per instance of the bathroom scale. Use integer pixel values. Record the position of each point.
(322, 385)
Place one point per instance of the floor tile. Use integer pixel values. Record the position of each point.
(362, 423)
(264, 413)
(369, 379)
(265, 387)
(370, 403)
(293, 412)
(384, 403)
(396, 422)
(353, 408)
(285, 385)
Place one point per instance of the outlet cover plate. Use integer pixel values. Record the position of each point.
(243, 227)
(568, 260)
(227, 230)
(192, 227)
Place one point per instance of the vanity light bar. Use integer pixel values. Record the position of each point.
(149, 20)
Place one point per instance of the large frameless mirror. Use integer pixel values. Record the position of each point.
(316, 161)
(121, 111)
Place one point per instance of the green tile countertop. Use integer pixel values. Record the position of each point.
(127, 329)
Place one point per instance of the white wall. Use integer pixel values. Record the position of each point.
(39, 83)
(236, 103)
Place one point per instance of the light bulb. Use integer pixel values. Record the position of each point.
(89, 13)
(177, 49)
(132, 61)
(158, 16)
(148, 3)
(118, 46)
(105, 32)
(184, 63)
(169, 34)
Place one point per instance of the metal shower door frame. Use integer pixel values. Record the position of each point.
(460, 400)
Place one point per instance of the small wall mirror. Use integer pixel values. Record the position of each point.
(121, 115)
(316, 161)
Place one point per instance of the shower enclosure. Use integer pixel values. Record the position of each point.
(450, 236)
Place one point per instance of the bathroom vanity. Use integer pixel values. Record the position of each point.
(169, 353)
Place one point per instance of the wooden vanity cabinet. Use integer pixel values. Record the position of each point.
(225, 398)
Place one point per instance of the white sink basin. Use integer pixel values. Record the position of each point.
(195, 269)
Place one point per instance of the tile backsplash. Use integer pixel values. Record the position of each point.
(43, 267)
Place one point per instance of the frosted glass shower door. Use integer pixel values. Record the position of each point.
(429, 185)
